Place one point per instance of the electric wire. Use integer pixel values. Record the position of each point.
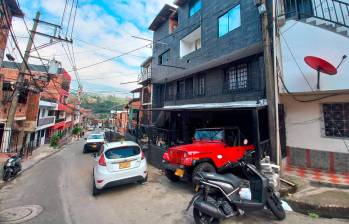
(163, 38)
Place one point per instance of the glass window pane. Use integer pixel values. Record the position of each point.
(234, 18)
(195, 7)
(223, 25)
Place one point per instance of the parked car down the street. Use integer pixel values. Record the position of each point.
(93, 143)
(117, 164)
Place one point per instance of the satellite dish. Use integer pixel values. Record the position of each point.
(320, 65)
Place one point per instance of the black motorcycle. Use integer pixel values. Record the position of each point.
(218, 195)
(12, 167)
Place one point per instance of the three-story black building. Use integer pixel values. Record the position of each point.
(207, 70)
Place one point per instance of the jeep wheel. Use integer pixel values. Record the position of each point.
(171, 176)
(202, 167)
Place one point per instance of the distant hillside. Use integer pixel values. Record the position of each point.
(101, 104)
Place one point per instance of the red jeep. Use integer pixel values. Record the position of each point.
(210, 151)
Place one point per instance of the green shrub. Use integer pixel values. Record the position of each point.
(77, 130)
(55, 139)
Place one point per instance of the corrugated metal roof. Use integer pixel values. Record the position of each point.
(34, 68)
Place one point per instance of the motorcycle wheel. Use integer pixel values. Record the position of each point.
(275, 205)
(7, 176)
(201, 218)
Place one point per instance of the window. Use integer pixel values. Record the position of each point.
(181, 89)
(201, 82)
(210, 135)
(336, 120)
(229, 21)
(164, 58)
(122, 152)
(194, 7)
(190, 43)
(237, 77)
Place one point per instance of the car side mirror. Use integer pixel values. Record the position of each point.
(245, 142)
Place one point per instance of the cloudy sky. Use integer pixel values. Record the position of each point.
(103, 29)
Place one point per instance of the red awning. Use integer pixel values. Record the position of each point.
(59, 125)
(62, 107)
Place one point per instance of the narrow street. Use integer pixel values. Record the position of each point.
(61, 184)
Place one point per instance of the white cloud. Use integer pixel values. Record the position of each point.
(110, 27)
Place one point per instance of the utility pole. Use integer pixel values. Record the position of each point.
(19, 84)
(270, 84)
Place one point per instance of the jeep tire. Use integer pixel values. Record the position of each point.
(171, 176)
(202, 167)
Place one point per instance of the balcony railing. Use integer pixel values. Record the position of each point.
(334, 11)
(187, 95)
(46, 121)
(60, 120)
(145, 74)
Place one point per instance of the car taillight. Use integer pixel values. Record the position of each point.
(142, 155)
(101, 160)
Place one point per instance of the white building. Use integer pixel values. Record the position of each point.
(314, 122)
(46, 120)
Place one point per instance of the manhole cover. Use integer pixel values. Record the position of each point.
(20, 214)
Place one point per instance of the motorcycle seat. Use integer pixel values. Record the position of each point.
(226, 178)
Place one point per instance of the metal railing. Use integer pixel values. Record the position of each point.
(334, 11)
(46, 121)
(162, 137)
(213, 92)
(58, 120)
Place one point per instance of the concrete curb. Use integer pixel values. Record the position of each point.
(2, 183)
(326, 184)
(325, 211)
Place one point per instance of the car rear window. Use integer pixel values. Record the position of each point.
(123, 152)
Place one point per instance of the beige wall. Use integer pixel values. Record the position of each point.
(304, 124)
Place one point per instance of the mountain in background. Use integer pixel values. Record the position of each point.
(103, 104)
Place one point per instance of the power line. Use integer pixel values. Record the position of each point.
(295, 60)
(167, 36)
(63, 15)
(71, 9)
(105, 48)
(72, 30)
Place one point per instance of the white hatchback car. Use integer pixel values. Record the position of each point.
(119, 163)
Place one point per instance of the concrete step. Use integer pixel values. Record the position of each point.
(343, 30)
(328, 26)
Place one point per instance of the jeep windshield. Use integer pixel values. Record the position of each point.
(209, 135)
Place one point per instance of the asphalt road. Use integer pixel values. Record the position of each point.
(62, 185)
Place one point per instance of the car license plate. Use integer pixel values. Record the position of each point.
(179, 172)
(94, 146)
(124, 165)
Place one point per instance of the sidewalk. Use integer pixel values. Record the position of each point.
(340, 180)
(316, 197)
(38, 155)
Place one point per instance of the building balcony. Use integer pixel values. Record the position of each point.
(144, 76)
(46, 121)
(331, 11)
(59, 120)
(213, 96)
